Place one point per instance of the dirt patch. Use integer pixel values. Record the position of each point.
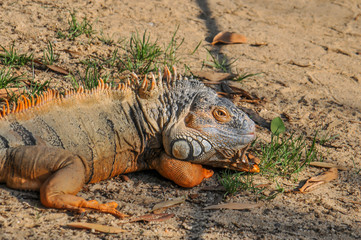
(310, 65)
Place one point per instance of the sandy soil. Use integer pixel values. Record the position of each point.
(311, 65)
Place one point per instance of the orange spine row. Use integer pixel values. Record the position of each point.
(25, 103)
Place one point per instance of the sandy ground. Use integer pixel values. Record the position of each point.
(311, 71)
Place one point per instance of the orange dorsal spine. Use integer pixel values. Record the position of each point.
(25, 103)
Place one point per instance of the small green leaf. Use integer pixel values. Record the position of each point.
(277, 126)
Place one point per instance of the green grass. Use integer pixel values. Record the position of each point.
(356, 167)
(76, 28)
(141, 55)
(11, 57)
(36, 89)
(93, 72)
(48, 55)
(106, 39)
(325, 137)
(234, 182)
(170, 52)
(243, 76)
(287, 156)
(218, 62)
(8, 78)
(284, 156)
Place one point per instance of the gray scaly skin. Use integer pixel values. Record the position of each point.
(57, 144)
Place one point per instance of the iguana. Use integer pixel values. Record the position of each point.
(55, 144)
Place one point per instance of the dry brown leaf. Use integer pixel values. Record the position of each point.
(169, 203)
(259, 44)
(214, 77)
(327, 165)
(236, 88)
(125, 178)
(229, 38)
(4, 92)
(73, 53)
(238, 206)
(160, 217)
(53, 67)
(96, 227)
(324, 177)
(58, 69)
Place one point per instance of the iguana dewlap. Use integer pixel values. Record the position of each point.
(56, 144)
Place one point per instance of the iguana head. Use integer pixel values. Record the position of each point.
(212, 131)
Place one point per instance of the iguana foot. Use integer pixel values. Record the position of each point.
(104, 208)
(59, 190)
(80, 205)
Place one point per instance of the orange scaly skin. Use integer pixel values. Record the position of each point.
(55, 144)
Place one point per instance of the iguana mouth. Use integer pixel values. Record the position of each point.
(240, 161)
(243, 161)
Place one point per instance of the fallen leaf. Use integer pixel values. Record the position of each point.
(327, 165)
(53, 67)
(169, 203)
(58, 69)
(324, 177)
(4, 92)
(193, 195)
(96, 227)
(228, 38)
(258, 44)
(214, 77)
(238, 206)
(125, 178)
(160, 217)
(72, 53)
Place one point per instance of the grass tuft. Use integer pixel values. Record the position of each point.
(48, 55)
(7, 78)
(237, 181)
(76, 28)
(106, 39)
(12, 58)
(218, 62)
(141, 55)
(170, 52)
(283, 157)
(36, 89)
(286, 156)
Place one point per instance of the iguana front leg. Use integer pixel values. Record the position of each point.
(183, 173)
(57, 173)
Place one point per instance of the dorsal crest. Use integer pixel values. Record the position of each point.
(25, 103)
(149, 88)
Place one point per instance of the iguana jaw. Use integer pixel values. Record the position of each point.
(240, 161)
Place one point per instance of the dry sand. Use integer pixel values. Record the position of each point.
(311, 65)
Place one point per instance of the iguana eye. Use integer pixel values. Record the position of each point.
(221, 115)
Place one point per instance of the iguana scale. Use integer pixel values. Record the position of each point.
(55, 144)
